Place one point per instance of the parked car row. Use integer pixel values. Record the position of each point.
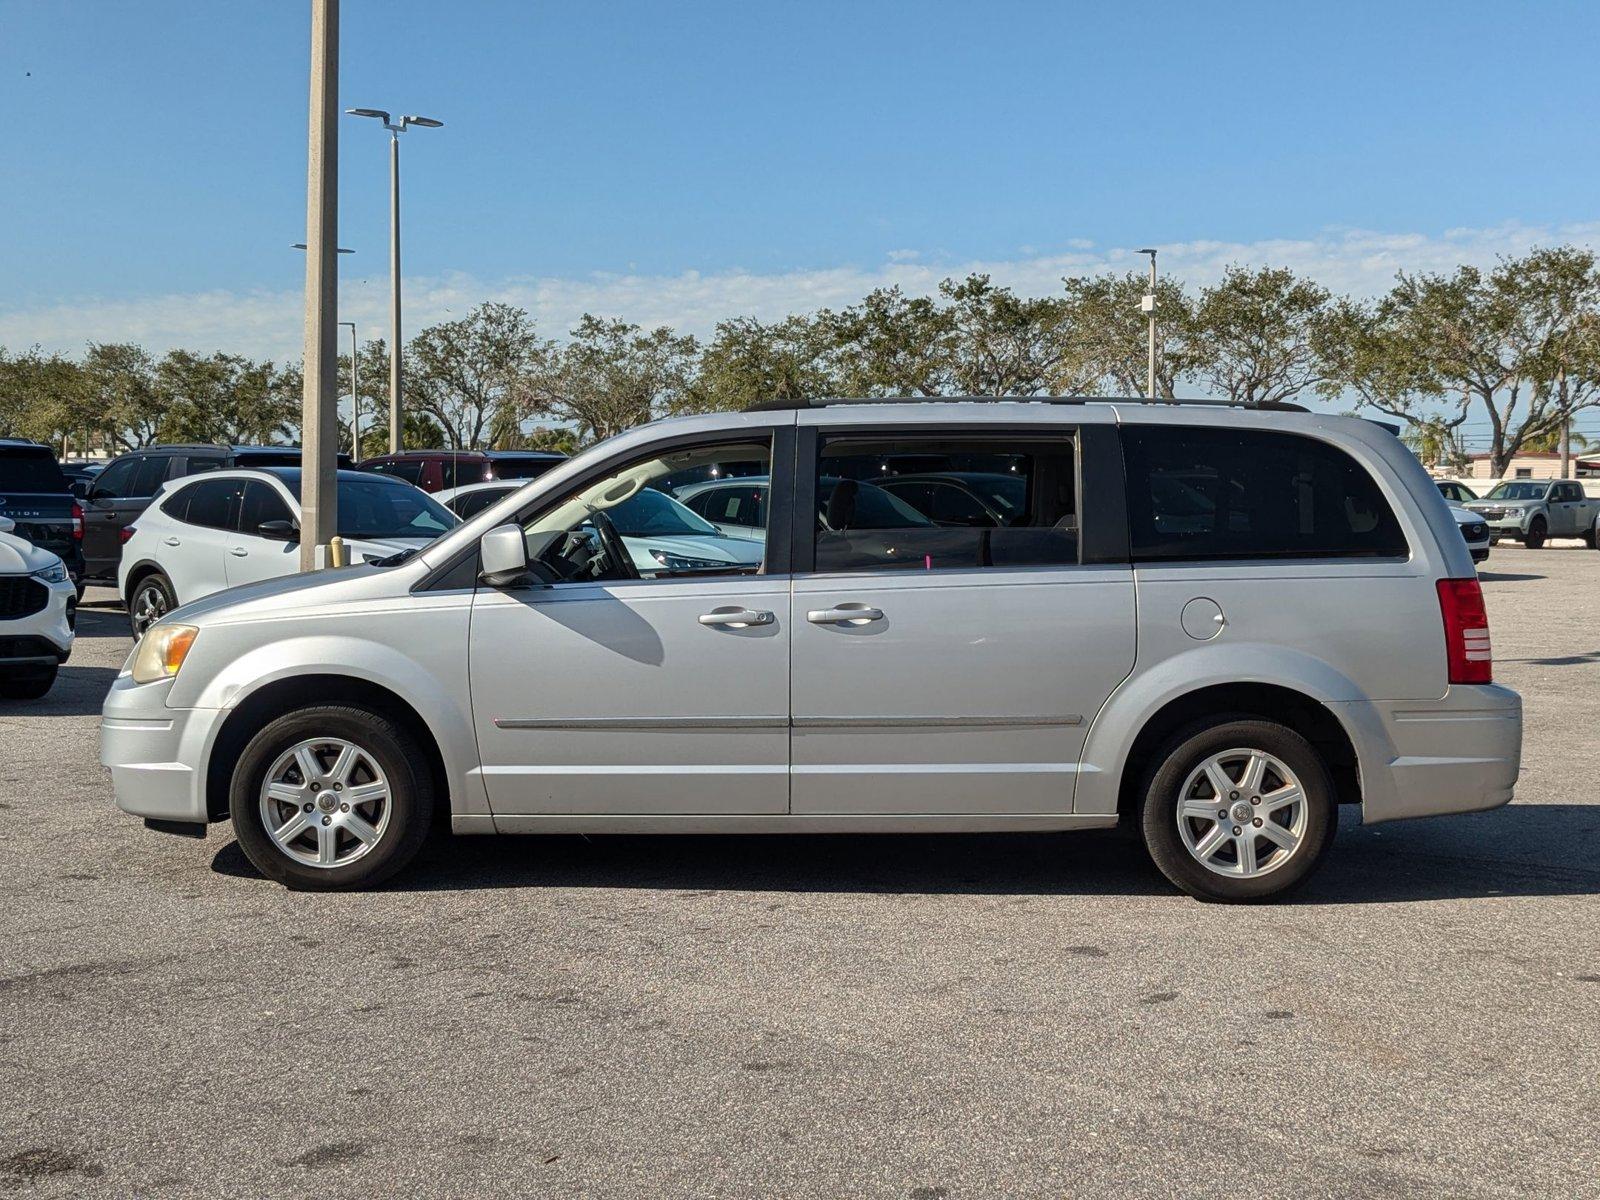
(879, 616)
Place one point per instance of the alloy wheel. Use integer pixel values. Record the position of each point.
(1242, 813)
(149, 606)
(325, 802)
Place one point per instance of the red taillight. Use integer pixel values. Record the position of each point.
(1466, 631)
(125, 533)
(77, 522)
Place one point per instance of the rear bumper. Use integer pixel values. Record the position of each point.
(154, 753)
(1455, 755)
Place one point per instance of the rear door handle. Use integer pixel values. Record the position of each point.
(171, 541)
(845, 614)
(736, 618)
(238, 551)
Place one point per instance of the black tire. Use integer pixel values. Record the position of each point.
(151, 596)
(1172, 766)
(390, 745)
(1589, 539)
(29, 687)
(1534, 538)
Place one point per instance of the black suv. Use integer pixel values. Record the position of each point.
(34, 493)
(115, 497)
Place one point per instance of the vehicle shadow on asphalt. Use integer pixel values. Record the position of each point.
(1525, 850)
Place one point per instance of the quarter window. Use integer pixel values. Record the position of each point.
(945, 503)
(1209, 493)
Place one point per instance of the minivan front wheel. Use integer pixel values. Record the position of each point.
(331, 798)
(1238, 809)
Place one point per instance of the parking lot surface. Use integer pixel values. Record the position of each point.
(916, 1017)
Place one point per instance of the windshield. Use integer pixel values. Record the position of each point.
(375, 508)
(30, 471)
(1522, 490)
(649, 513)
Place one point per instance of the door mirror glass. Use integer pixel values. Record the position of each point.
(504, 555)
(278, 531)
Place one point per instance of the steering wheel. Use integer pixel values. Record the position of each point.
(617, 556)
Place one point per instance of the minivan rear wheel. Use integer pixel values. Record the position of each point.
(331, 798)
(1238, 809)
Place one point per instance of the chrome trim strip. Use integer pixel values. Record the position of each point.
(932, 722)
(691, 723)
(641, 723)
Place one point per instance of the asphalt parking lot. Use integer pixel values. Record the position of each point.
(897, 1017)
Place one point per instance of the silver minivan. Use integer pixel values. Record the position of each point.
(1216, 625)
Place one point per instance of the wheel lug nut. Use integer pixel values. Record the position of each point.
(1255, 799)
(1233, 795)
(329, 821)
(1257, 821)
(338, 787)
(346, 808)
(309, 807)
(316, 787)
(1236, 830)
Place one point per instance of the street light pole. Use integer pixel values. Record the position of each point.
(355, 395)
(1148, 303)
(319, 419)
(395, 128)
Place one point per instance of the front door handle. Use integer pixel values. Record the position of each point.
(238, 551)
(845, 614)
(170, 541)
(736, 618)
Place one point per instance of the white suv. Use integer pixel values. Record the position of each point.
(38, 611)
(1218, 625)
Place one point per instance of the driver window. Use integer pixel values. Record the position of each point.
(634, 522)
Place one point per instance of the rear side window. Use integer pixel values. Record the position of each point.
(470, 505)
(1207, 493)
(522, 468)
(409, 469)
(150, 474)
(882, 505)
(28, 470)
(213, 503)
(458, 472)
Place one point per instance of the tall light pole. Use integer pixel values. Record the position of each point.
(355, 396)
(1148, 303)
(319, 419)
(395, 128)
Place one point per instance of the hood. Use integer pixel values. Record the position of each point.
(1479, 505)
(18, 556)
(1465, 516)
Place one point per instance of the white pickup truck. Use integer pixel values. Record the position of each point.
(1532, 510)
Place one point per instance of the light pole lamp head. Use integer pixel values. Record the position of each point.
(369, 112)
(425, 122)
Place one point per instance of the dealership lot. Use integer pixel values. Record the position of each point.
(904, 1017)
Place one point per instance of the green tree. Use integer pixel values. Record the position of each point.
(1002, 344)
(749, 362)
(469, 375)
(121, 396)
(611, 375)
(1259, 335)
(1111, 333)
(226, 399)
(891, 345)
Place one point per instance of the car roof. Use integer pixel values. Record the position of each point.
(286, 475)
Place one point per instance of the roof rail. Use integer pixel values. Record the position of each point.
(832, 401)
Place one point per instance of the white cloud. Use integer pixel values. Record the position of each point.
(267, 324)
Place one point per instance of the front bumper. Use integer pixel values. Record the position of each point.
(1426, 758)
(42, 639)
(154, 752)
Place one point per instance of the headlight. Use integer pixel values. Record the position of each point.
(677, 562)
(162, 651)
(56, 572)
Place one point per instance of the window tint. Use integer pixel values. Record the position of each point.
(262, 502)
(29, 470)
(458, 472)
(409, 469)
(945, 503)
(114, 480)
(197, 464)
(522, 468)
(468, 506)
(151, 473)
(742, 505)
(213, 503)
(1205, 493)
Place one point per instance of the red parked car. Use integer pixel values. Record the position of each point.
(434, 470)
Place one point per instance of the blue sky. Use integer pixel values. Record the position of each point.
(677, 162)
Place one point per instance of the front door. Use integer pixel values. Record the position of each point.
(643, 668)
(939, 668)
(251, 557)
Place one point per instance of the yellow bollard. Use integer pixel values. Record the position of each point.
(336, 556)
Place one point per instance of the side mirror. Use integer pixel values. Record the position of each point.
(503, 554)
(7, 524)
(79, 488)
(279, 531)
